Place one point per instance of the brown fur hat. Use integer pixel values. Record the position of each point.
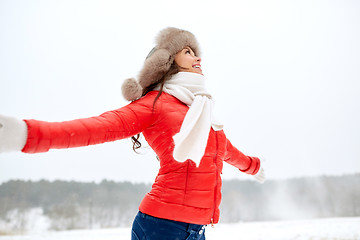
(168, 42)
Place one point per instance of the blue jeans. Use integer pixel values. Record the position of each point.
(146, 227)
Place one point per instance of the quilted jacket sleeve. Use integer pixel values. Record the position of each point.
(109, 126)
(246, 164)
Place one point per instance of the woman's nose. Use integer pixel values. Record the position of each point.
(198, 59)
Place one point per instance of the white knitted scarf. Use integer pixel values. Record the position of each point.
(191, 141)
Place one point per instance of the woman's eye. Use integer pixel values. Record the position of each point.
(187, 52)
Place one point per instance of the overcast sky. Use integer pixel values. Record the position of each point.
(285, 76)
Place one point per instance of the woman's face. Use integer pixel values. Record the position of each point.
(187, 61)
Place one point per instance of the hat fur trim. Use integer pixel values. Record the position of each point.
(174, 40)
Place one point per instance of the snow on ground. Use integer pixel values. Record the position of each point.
(314, 229)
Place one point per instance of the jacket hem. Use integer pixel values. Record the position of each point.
(181, 213)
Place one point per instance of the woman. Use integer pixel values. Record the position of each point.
(171, 108)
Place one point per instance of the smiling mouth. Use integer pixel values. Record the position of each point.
(197, 66)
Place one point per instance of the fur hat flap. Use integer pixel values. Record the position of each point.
(155, 67)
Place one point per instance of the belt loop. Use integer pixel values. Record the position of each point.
(189, 227)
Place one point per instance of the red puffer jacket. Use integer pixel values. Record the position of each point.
(182, 191)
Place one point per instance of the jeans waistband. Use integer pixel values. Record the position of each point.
(189, 227)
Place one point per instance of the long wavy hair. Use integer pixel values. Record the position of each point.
(173, 70)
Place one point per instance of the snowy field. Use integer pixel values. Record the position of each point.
(315, 229)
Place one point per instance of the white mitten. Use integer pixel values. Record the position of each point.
(260, 176)
(13, 134)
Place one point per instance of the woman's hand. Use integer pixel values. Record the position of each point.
(13, 134)
(260, 175)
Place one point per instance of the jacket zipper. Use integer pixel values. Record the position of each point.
(186, 180)
(216, 182)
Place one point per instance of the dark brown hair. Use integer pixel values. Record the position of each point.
(173, 70)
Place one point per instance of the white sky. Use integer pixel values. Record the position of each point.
(285, 76)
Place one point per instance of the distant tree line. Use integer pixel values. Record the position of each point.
(299, 198)
(71, 205)
(78, 205)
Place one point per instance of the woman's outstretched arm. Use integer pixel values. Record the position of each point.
(109, 126)
(246, 164)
